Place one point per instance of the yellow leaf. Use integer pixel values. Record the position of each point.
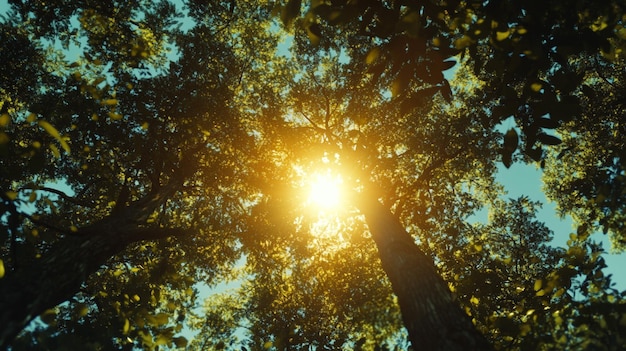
(31, 118)
(55, 134)
(50, 129)
(126, 326)
(474, 300)
(500, 36)
(536, 87)
(12, 195)
(559, 292)
(48, 316)
(145, 125)
(372, 56)
(268, 344)
(4, 138)
(82, 310)
(1, 268)
(162, 339)
(5, 119)
(115, 116)
(55, 151)
(161, 318)
(538, 284)
(136, 298)
(463, 42)
(558, 320)
(109, 102)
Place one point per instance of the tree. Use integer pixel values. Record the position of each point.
(135, 148)
(186, 168)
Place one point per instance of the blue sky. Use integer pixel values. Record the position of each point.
(525, 180)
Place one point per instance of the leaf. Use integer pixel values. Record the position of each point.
(55, 134)
(446, 91)
(2, 271)
(115, 116)
(372, 56)
(314, 33)
(536, 87)
(500, 36)
(11, 195)
(507, 160)
(535, 154)
(511, 141)
(48, 316)
(160, 319)
(81, 310)
(180, 342)
(109, 102)
(538, 284)
(547, 123)
(548, 139)
(5, 119)
(290, 11)
(448, 64)
(126, 327)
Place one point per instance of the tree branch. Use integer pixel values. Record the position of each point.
(61, 194)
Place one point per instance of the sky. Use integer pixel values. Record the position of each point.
(525, 180)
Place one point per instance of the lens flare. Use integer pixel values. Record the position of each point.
(325, 190)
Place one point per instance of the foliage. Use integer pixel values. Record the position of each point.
(150, 151)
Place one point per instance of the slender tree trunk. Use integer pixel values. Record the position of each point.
(43, 283)
(431, 315)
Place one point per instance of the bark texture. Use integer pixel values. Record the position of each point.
(43, 283)
(433, 318)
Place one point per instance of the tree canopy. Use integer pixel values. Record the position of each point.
(157, 158)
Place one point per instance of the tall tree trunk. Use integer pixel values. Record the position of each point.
(431, 315)
(40, 284)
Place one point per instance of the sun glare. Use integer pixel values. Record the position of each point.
(325, 190)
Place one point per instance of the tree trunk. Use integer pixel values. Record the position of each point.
(431, 315)
(43, 283)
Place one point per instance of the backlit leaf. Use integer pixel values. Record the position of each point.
(500, 36)
(11, 195)
(55, 134)
(126, 327)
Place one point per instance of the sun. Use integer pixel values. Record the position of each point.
(325, 191)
